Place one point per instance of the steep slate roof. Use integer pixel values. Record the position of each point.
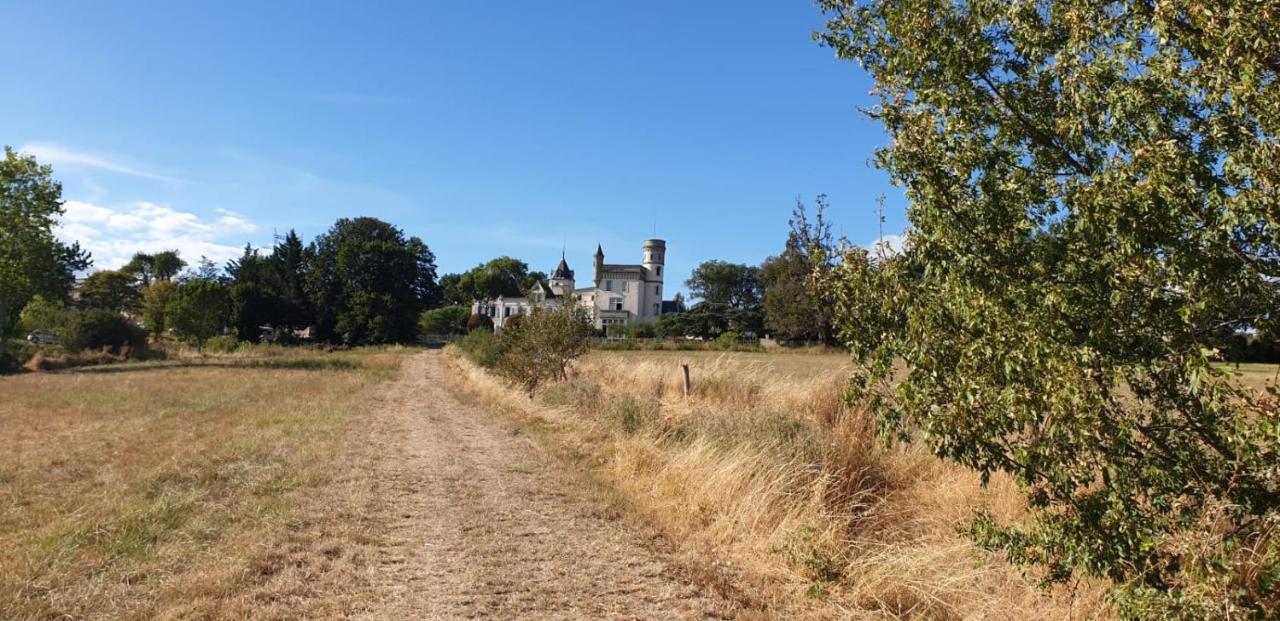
(562, 270)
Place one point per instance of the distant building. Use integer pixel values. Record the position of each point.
(620, 293)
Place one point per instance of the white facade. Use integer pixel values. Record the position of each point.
(621, 293)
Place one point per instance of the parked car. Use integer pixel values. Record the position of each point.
(43, 338)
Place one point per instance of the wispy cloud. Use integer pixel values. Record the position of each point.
(363, 99)
(59, 155)
(113, 235)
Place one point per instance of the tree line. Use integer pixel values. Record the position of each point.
(363, 281)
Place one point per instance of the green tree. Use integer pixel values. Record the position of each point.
(503, 276)
(1093, 191)
(198, 311)
(160, 266)
(730, 284)
(155, 304)
(449, 320)
(255, 281)
(49, 316)
(369, 282)
(791, 308)
(32, 260)
(101, 329)
(289, 259)
(540, 346)
(110, 290)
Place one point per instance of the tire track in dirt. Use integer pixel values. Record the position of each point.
(482, 526)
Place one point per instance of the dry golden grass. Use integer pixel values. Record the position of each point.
(184, 489)
(765, 469)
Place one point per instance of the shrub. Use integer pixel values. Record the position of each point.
(539, 347)
(479, 322)
(44, 315)
(222, 344)
(446, 321)
(482, 347)
(103, 329)
(642, 330)
(727, 340)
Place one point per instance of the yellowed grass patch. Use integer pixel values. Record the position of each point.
(765, 468)
(201, 488)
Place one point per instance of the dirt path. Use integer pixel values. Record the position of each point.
(483, 526)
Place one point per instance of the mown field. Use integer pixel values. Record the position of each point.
(179, 489)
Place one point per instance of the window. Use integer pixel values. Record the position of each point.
(608, 285)
(657, 308)
(615, 304)
(506, 312)
(624, 286)
(657, 290)
(659, 270)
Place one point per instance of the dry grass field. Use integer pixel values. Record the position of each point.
(764, 470)
(182, 490)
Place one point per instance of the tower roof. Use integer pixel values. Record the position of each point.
(599, 251)
(562, 270)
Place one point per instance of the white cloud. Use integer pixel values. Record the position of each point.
(889, 244)
(62, 156)
(113, 235)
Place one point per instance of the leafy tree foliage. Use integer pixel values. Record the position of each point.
(503, 276)
(708, 321)
(539, 347)
(254, 301)
(1093, 194)
(791, 308)
(369, 282)
(289, 260)
(729, 284)
(110, 290)
(449, 320)
(155, 303)
(32, 261)
(197, 311)
(479, 322)
(49, 316)
(97, 329)
(160, 266)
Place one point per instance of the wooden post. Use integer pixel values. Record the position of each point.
(688, 389)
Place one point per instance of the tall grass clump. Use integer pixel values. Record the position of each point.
(775, 475)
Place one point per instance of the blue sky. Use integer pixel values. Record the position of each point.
(487, 129)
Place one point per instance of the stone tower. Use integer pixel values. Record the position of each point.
(654, 251)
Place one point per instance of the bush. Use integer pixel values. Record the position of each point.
(446, 321)
(482, 347)
(642, 330)
(99, 329)
(728, 340)
(540, 347)
(479, 322)
(44, 315)
(223, 344)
